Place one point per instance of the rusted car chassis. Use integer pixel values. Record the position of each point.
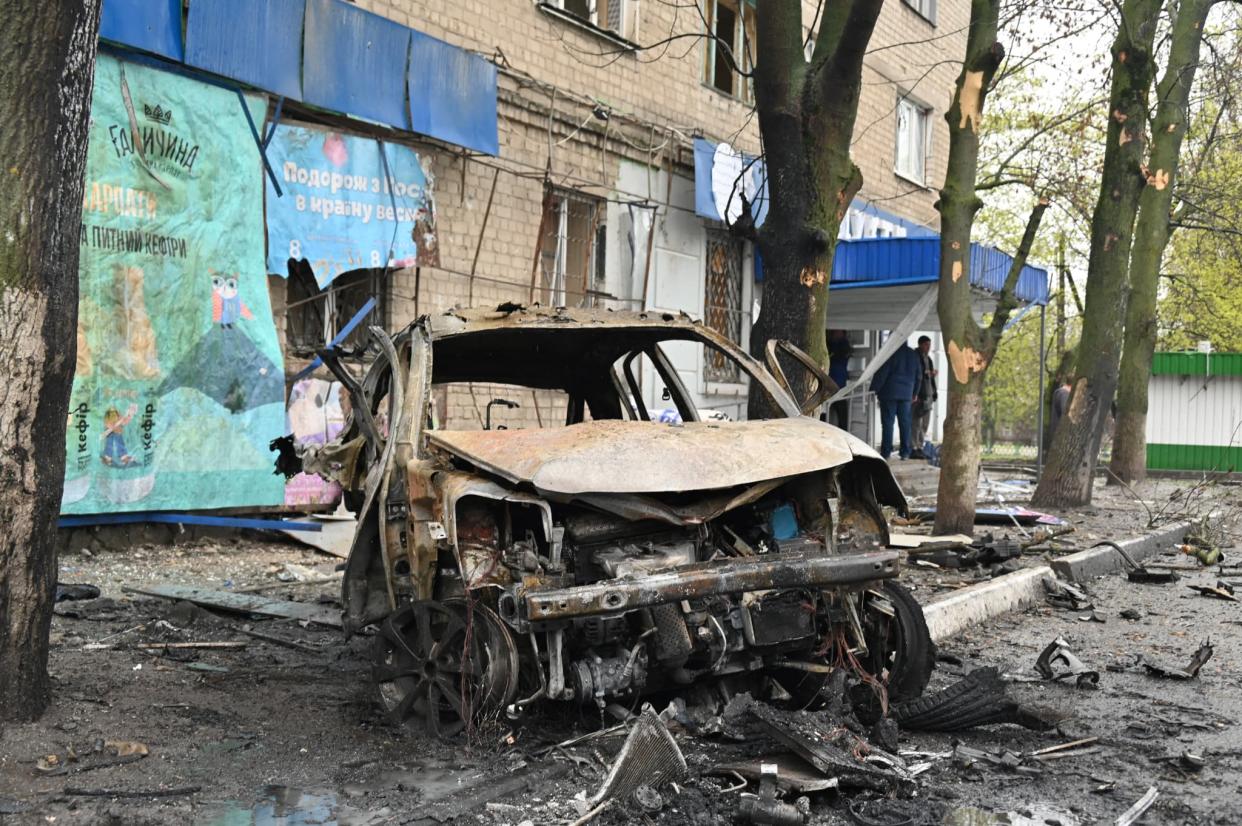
(613, 556)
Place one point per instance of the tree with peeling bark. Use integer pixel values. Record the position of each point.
(48, 51)
(806, 119)
(969, 347)
(1151, 236)
(1070, 468)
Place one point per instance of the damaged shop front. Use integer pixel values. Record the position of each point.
(235, 219)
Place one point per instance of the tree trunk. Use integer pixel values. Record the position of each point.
(969, 347)
(1151, 236)
(959, 458)
(806, 117)
(48, 51)
(1070, 468)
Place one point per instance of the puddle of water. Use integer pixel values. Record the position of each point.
(287, 806)
(1034, 815)
(290, 806)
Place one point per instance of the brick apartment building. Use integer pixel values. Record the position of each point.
(597, 138)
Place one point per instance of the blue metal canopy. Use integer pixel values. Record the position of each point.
(328, 53)
(893, 262)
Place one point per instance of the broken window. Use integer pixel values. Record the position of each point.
(722, 309)
(925, 8)
(732, 24)
(617, 16)
(571, 253)
(913, 128)
(315, 316)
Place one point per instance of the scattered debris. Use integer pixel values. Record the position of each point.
(163, 646)
(924, 541)
(765, 809)
(1132, 814)
(244, 603)
(1000, 516)
(101, 754)
(281, 641)
(1137, 572)
(793, 773)
(1073, 748)
(66, 592)
(971, 758)
(952, 553)
(208, 667)
(1057, 653)
(335, 535)
(978, 699)
(1221, 590)
(1201, 656)
(1065, 595)
(650, 757)
(1147, 576)
(832, 750)
(1202, 549)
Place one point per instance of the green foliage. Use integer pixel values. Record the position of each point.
(1201, 297)
(1011, 392)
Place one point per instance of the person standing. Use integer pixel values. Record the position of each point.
(839, 352)
(925, 399)
(895, 385)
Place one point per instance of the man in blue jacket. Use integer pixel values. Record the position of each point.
(895, 385)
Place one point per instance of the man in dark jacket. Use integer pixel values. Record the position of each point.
(895, 385)
(839, 352)
(925, 398)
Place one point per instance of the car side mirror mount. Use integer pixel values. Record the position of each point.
(822, 384)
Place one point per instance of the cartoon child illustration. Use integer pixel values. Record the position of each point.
(114, 452)
(226, 304)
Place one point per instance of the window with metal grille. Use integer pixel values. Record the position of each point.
(571, 253)
(722, 309)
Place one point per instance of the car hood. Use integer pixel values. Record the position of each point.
(649, 457)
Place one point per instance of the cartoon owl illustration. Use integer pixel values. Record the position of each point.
(226, 303)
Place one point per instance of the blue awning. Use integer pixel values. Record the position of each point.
(265, 52)
(329, 53)
(892, 262)
(147, 25)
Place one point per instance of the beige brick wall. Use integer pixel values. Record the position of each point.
(546, 124)
(666, 91)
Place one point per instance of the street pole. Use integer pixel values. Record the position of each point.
(1039, 424)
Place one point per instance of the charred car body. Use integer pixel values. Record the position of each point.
(614, 555)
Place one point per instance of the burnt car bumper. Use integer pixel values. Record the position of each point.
(777, 571)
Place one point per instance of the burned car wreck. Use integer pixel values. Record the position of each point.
(613, 556)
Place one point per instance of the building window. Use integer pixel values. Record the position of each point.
(315, 316)
(619, 17)
(913, 129)
(925, 8)
(733, 24)
(571, 253)
(722, 309)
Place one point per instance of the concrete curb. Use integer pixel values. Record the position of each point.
(1104, 559)
(978, 603)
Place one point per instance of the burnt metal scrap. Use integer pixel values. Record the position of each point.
(614, 556)
(1057, 662)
